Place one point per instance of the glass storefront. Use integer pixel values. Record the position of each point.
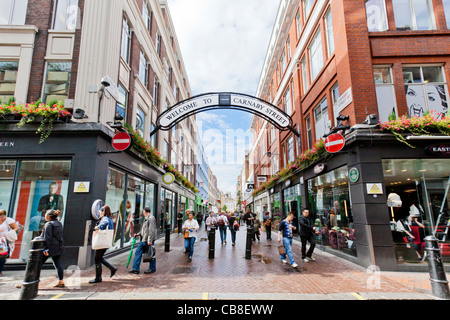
(421, 186)
(168, 209)
(293, 202)
(41, 185)
(127, 204)
(330, 207)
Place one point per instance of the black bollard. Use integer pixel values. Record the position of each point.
(30, 285)
(167, 247)
(248, 247)
(439, 283)
(212, 242)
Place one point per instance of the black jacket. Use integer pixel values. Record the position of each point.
(306, 226)
(53, 235)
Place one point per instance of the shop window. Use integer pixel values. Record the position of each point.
(330, 208)
(135, 205)
(321, 119)
(7, 169)
(315, 55)
(376, 15)
(329, 32)
(420, 186)
(414, 15)
(13, 12)
(446, 4)
(167, 208)
(115, 191)
(293, 203)
(426, 91)
(8, 78)
(57, 82)
(66, 15)
(384, 87)
(41, 186)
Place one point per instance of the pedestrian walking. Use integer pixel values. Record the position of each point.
(222, 222)
(8, 233)
(285, 234)
(268, 224)
(104, 223)
(249, 221)
(148, 237)
(232, 226)
(179, 221)
(307, 234)
(190, 228)
(257, 232)
(211, 221)
(199, 219)
(54, 243)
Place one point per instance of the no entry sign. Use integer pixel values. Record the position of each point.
(121, 141)
(334, 143)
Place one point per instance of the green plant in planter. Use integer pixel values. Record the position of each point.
(44, 114)
(10, 110)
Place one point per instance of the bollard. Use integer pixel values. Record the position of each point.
(248, 249)
(30, 285)
(167, 247)
(439, 283)
(212, 242)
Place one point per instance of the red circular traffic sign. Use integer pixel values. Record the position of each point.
(121, 141)
(334, 143)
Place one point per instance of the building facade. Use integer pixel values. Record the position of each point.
(105, 61)
(354, 59)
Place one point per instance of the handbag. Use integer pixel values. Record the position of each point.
(102, 239)
(149, 253)
(281, 250)
(186, 234)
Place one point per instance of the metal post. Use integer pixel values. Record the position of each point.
(167, 247)
(212, 242)
(439, 283)
(248, 249)
(30, 285)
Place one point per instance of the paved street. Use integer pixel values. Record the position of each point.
(231, 277)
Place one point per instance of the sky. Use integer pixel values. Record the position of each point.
(224, 45)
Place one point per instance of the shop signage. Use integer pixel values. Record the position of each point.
(6, 144)
(335, 143)
(353, 175)
(168, 178)
(121, 141)
(319, 168)
(374, 188)
(441, 150)
(344, 100)
(81, 187)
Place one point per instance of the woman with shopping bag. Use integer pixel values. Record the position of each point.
(101, 241)
(8, 236)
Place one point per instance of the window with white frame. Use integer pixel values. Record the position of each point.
(288, 101)
(298, 23)
(315, 55)
(57, 82)
(414, 15)
(384, 86)
(288, 48)
(309, 131)
(321, 119)
(304, 75)
(275, 164)
(446, 4)
(329, 32)
(8, 79)
(66, 15)
(126, 41)
(334, 98)
(121, 106)
(153, 137)
(140, 121)
(307, 7)
(147, 16)
(143, 68)
(426, 90)
(158, 44)
(13, 12)
(156, 92)
(166, 150)
(290, 150)
(376, 15)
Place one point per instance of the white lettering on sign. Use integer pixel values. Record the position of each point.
(7, 144)
(344, 100)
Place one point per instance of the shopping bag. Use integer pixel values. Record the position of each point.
(149, 254)
(102, 239)
(281, 250)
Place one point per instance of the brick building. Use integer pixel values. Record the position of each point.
(61, 50)
(327, 59)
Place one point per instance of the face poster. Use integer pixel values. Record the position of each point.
(421, 99)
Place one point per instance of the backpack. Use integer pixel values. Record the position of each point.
(236, 226)
(4, 248)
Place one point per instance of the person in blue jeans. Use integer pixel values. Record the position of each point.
(285, 234)
(148, 237)
(190, 227)
(222, 222)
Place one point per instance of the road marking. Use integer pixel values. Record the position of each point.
(357, 296)
(205, 296)
(57, 296)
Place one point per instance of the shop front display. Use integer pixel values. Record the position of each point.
(330, 207)
(293, 203)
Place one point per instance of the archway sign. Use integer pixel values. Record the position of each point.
(224, 100)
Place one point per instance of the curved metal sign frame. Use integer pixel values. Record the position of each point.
(224, 100)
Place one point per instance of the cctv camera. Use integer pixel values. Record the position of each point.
(106, 81)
